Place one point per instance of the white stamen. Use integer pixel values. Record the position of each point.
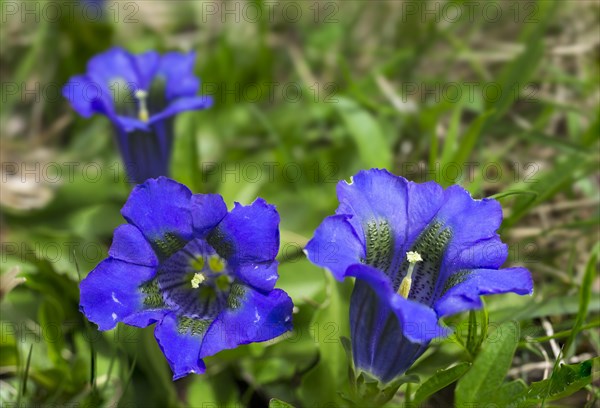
(413, 257)
(141, 96)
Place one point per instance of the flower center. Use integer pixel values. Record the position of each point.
(195, 280)
(142, 97)
(414, 274)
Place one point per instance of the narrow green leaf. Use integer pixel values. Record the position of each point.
(585, 296)
(439, 380)
(504, 194)
(51, 314)
(565, 173)
(185, 162)
(451, 136)
(472, 333)
(485, 321)
(128, 377)
(23, 385)
(560, 335)
(469, 139)
(372, 147)
(591, 135)
(516, 74)
(490, 366)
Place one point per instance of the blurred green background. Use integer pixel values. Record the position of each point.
(501, 97)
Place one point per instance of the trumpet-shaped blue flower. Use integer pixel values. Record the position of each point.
(418, 253)
(206, 275)
(140, 94)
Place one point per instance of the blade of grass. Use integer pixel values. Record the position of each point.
(505, 194)
(560, 335)
(24, 378)
(470, 137)
(516, 75)
(451, 136)
(585, 297)
(128, 379)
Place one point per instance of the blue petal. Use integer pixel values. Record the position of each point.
(248, 234)
(488, 253)
(375, 195)
(255, 317)
(470, 220)
(114, 64)
(126, 123)
(146, 65)
(81, 92)
(129, 245)
(465, 293)
(336, 246)
(182, 350)
(146, 154)
(207, 212)
(160, 208)
(178, 69)
(262, 276)
(110, 294)
(419, 323)
(182, 105)
(379, 346)
(424, 201)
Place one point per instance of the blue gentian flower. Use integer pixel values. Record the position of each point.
(140, 94)
(205, 275)
(418, 253)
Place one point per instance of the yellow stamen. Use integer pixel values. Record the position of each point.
(197, 263)
(216, 264)
(197, 280)
(143, 113)
(412, 257)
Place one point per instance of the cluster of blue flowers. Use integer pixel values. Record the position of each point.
(206, 276)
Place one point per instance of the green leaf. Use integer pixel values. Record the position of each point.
(490, 367)
(277, 403)
(214, 390)
(372, 147)
(301, 280)
(184, 165)
(439, 380)
(564, 381)
(51, 316)
(321, 384)
(509, 391)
